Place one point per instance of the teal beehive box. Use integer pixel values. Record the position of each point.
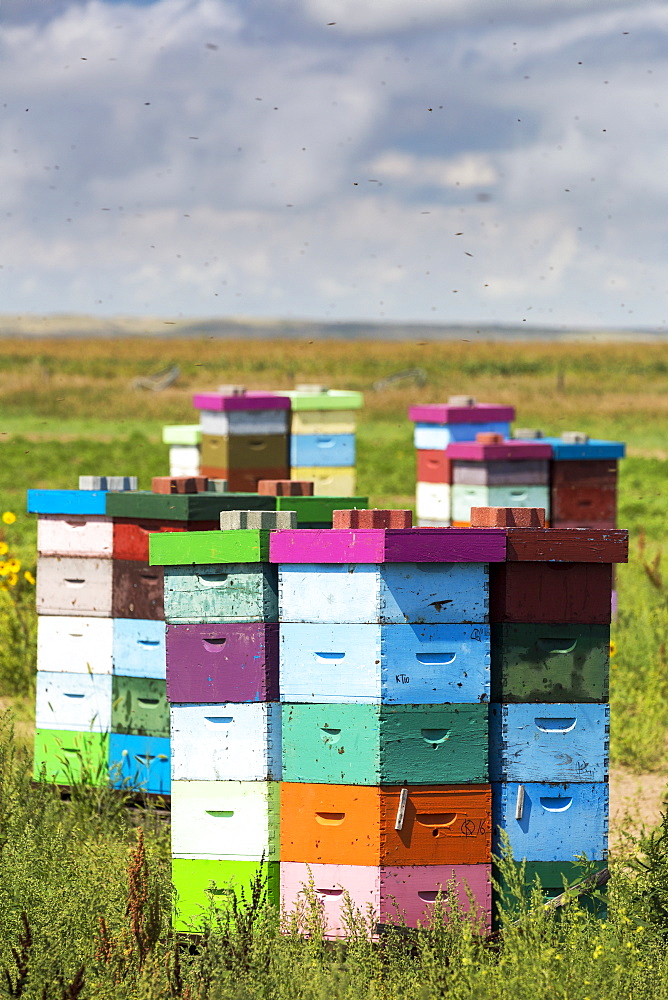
(352, 744)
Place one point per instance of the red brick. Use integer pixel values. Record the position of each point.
(372, 519)
(488, 437)
(507, 517)
(285, 488)
(179, 484)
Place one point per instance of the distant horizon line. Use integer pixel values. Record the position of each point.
(63, 325)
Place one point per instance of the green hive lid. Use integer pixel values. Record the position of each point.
(185, 548)
(183, 506)
(184, 434)
(327, 399)
(318, 510)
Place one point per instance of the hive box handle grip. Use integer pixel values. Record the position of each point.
(556, 645)
(401, 809)
(330, 818)
(519, 802)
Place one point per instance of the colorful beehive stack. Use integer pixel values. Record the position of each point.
(438, 425)
(549, 717)
(322, 438)
(384, 687)
(312, 511)
(583, 481)
(100, 699)
(222, 678)
(245, 437)
(491, 472)
(184, 448)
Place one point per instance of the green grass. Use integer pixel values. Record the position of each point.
(84, 910)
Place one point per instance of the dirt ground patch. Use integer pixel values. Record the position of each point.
(636, 803)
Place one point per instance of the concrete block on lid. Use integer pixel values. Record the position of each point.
(218, 485)
(488, 437)
(372, 518)
(285, 487)
(507, 517)
(108, 483)
(461, 401)
(574, 437)
(258, 519)
(179, 484)
(527, 433)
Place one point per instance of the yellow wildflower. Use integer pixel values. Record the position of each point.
(29, 577)
(14, 565)
(4, 548)
(613, 648)
(12, 579)
(4, 569)
(8, 517)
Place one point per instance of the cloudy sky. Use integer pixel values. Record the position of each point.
(429, 160)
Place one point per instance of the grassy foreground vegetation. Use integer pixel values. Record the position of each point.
(84, 905)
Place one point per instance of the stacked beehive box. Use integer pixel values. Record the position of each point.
(245, 437)
(549, 717)
(312, 511)
(100, 698)
(221, 608)
(322, 438)
(583, 481)
(437, 426)
(491, 472)
(184, 448)
(384, 673)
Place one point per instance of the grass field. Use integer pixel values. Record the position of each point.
(69, 407)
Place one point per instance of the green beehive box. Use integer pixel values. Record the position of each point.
(550, 663)
(552, 878)
(329, 399)
(71, 758)
(319, 510)
(353, 744)
(182, 434)
(186, 548)
(139, 706)
(182, 506)
(219, 593)
(204, 886)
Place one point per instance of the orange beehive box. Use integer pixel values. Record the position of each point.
(356, 825)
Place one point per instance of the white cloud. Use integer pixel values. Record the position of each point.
(192, 157)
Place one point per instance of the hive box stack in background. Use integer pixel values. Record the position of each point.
(584, 481)
(491, 472)
(245, 437)
(384, 689)
(222, 679)
(312, 511)
(549, 717)
(438, 425)
(100, 699)
(184, 448)
(322, 438)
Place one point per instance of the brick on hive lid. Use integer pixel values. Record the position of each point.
(372, 518)
(116, 484)
(507, 517)
(489, 437)
(462, 401)
(232, 390)
(271, 520)
(527, 434)
(574, 437)
(179, 484)
(285, 487)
